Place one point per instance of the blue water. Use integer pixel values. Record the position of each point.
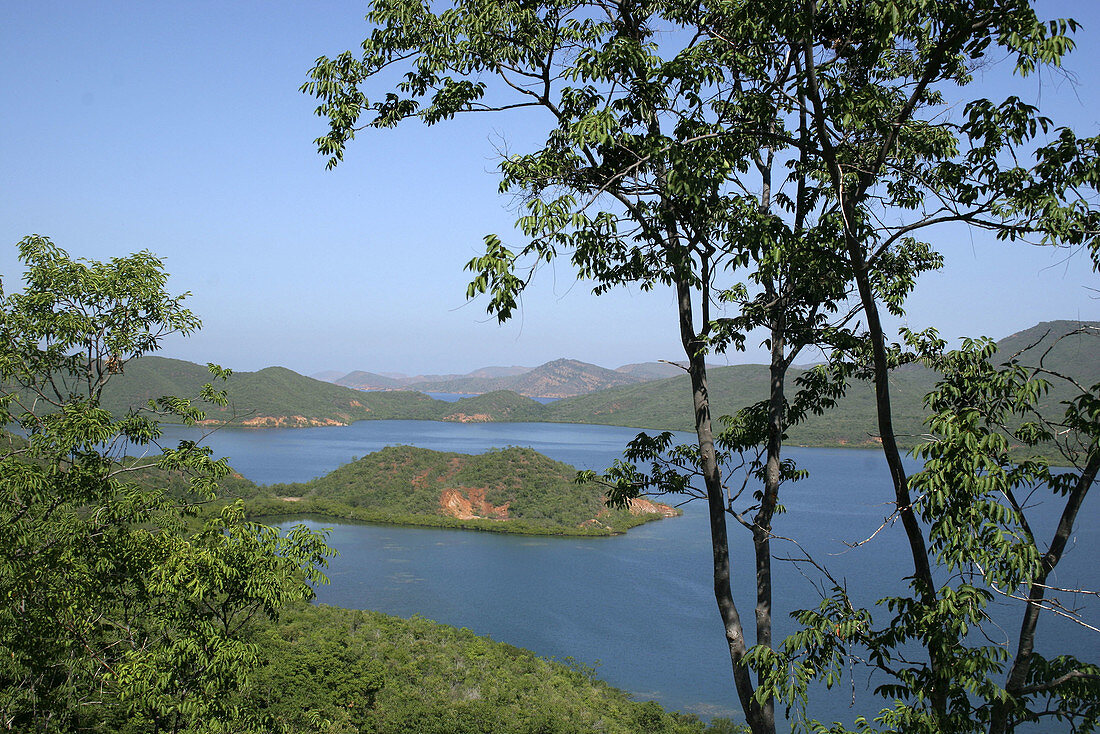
(269, 456)
(640, 606)
(450, 397)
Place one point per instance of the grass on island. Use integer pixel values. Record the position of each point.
(512, 490)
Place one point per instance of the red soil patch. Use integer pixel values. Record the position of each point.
(641, 506)
(470, 506)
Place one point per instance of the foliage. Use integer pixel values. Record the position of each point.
(419, 676)
(984, 517)
(774, 165)
(115, 615)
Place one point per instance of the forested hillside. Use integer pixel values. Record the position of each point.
(365, 671)
(271, 397)
(666, 404)
(278, 397)
(361, 380)
(513, 490)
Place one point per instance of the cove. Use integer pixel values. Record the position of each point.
(639, 605)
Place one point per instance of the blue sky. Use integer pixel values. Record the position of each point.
(178, 128)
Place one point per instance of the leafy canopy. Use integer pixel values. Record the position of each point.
(121, 610)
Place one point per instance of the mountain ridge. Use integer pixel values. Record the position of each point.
(278, 397)
(559, 378)
(555, 379)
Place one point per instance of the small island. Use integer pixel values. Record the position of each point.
(512, 490)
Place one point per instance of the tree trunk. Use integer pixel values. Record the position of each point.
(922, 572)
(762, 523)
(760, 721)
(1021, 664)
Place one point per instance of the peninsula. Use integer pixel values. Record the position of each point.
(512, 490)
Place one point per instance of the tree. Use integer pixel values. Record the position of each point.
(874, 88)
(122, 608)
(634, 184)
(670, 127)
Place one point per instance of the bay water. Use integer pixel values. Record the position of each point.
(638, 607)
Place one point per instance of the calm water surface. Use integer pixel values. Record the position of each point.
(638, 606)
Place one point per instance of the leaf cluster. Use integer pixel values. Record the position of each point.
(121, 611)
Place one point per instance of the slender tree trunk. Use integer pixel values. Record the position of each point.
(922, 572)
(762, 523)
(723, 594)
(1025, 646)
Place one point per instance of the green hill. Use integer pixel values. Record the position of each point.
(651, 370)
(279, 397)
(272, 397)
(502, 405)
(368, 381)
(1077, 355)
(665, 404)
(506, 490)
(276, 397)
(365, 671)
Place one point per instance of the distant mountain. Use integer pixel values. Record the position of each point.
(327, 375)
(651, 370)
(505, 490)
(276, 397)
(666, 404)
(413, 380)
(272, 397)
(369, 381)
(361, 380)
(1059, 349)
(499, 371)
(279, 397)
(558, 379)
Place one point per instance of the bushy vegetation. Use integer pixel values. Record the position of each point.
(120, 610)
(531, 493)
(136, 598)
(357, 671)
